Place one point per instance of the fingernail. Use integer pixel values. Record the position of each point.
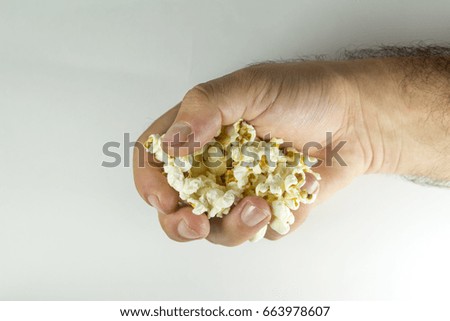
(154, 201)
(311, 185)
(185, 231)
(178, 134)
(251, 215)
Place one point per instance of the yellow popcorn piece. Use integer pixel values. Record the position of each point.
(238, 164)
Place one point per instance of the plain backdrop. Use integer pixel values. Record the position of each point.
(75, 75)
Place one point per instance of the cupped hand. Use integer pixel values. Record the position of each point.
(299, 102)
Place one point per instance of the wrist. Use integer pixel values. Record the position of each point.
(378, 114)
(392, 120)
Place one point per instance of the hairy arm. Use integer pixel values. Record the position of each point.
(390, 108)
(404, 101)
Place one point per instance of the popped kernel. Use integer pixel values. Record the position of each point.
(238, 164)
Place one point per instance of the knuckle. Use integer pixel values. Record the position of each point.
(200, 92)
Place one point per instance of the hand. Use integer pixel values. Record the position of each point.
(299, 102)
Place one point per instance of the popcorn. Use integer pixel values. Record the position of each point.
(190, 186)
(281, 211)
(259, 235)
(199, 207)
(237, 164)
(241, 173)
(184, 162)
(154, 146)
(272, 185)
(219, 200)
(175, 177)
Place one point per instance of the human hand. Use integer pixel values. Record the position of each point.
(299, 102)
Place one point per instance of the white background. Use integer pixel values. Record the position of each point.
(77, 74)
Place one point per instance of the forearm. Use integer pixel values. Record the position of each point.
(404, 103)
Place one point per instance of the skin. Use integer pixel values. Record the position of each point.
(385, 120)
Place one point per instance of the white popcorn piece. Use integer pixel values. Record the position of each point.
(259, 235)
(257, 169)
(281, 211)
(190, 186)
(275, 183)
(154, 146)
(236, 154)
(175, 177)
(237, 164)
(274, 154)
(279, 226)
(241, 175)
(290, 181)
(247, 132)
(198, 207)
(241, 132)
(220, 201)
(292, 202)
(306, 198)
(276, 141)
(235, 189)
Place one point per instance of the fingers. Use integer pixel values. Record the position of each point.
(179, 224)
(198, 121)
(184, 226)
(206, 108)
(150, 182)
(245, 220)
(153, 187)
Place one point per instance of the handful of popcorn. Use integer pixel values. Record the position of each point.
(238, 164)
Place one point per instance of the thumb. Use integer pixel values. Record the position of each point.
(204, 109)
